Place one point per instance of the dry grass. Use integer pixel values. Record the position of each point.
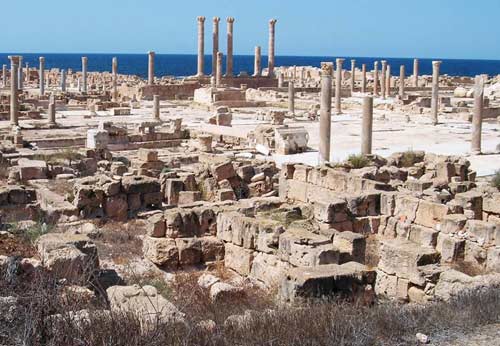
(120, 241)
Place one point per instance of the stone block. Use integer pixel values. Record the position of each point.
(453, 223)
(190, 252)
(238, 259)
(351, 243)
(161, 251)
(472, 201)
(223, 171)
(430, 214)
(116, 207)
(451, 249)
(481, 231)
(189, 197)
(334, 211)
(148, 155)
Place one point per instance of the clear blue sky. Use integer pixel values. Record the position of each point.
(390, 28)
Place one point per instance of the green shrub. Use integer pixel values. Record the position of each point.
(358, 161)
(495, 182)
(409, 158)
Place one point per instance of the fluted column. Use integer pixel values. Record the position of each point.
(201, 46)
(63, 81)
(114, 73)
(291, 98)
(272, 36)
(215, 43)
(156, 107)
(325, 118)
(151, 67)
(363, 80)
(383, 76)
(402, 73)
(258, 62)
(20, 78)
(375, 78)
(41, 76)
(415, 73)
(435, 91)
(338, 85)
(84, 74)
(388, 81)
(218, 78)
(367, 126)
(229, 57)
(353, 74)
(14, 102)
(477, 116)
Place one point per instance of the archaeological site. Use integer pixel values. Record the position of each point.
(347, 203)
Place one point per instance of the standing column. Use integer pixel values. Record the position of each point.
(383, 89)
(41, 75)
(353, 74)
(338, 86)
(52, 111)
(291, 98)
(84, 74)
(388, 81)
(281, 79)
(114, 73)
(415, 73)
(375, 78)
(325, 119)
(20, 74)
(477, 117)
(151, 68)
(229, 57)
(272, 34)
(218, 78)
(4, 75)
(258, 62)
(63, 81)
(27, 76)
(201, 46)
(363, 78)
(156, 107)
(14, 102)
(435, 91)
(215, 44)
(402, 82)
(367, 126)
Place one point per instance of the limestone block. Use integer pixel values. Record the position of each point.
(189, 251)
(453, 223)
(471, 200)
(148, 155)
(481, 231)
(351, 243)
(269, 269)
(238, 259)
(223, 171)
(430, 214)
(161, 251)
(386, 285)
(226, 195)
(424, 236)
(212, 249)
(97, 139)
(189, 197)
(32, 169)
(406, 207)
(334, 211)
(140, 184)
(115, 207)
(366, 204)
(173, 187)
(156, 226)
(451, 249)
(491, 204)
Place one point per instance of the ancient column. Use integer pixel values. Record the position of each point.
(270, 61)
(27, 76)
(151, 68)
(4, 75)
(156, 107)
(325, 119)
(114, 72)
(63, 81)
(215, 44)
(367, 125)
(415, 73)
(383, 76)
(14, 102)
(52, 112)
(84, 74)
(201, 46)
(281, 79)
(338, 85)
(258, 62)
(20, 74)
(218, 78)
(229, 56)
(363, 80)
(477, 116)
(291, 98)
(353, 74)
(388, 81)
(402, 82)
(375, 78)
(42, 75)
(435, 92)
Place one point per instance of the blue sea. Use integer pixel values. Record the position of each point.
(180, 65)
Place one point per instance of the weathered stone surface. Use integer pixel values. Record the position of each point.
(451, 249)
(140, 184)
(452, 283)
(238, 259)
(189, 250)
(430, 214)
(161, 251)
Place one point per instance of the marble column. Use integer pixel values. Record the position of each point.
(353, 74)
(41, 75)
(156, 107)
(338, 85)
(435, 91)
(367, 126)
(52, 112)
(383, 76)
(291, 98)
(375, 78)
(477, 116)
(229, 55)
(325, 119)
(27, 73)
(258, 62)
(201, 47)
(63, 81)
(151, 67)
(215, 44)
(114, 73)
(20, 78)
(415, 73)
(281, 79)
(363, 80)
(402, 82)
(4, 75)
(218, 78)
(84, 74)
(14, 102)
(388, 81)
(272, 36)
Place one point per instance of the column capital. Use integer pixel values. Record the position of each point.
(14, 59)
(326, 68)
(384, 62)
(353, 61)
(436, 63)
(339, 61)
(375, 64)
(273, 22)
(216, 20)
(151, 53)
(230, 20)
(201, 19)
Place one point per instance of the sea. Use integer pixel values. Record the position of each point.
(181, 65)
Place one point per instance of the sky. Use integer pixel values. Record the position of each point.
(460, 29)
